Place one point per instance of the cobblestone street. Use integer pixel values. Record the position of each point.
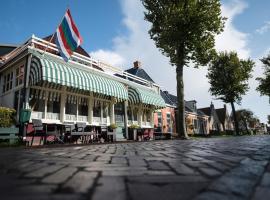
(218, 168)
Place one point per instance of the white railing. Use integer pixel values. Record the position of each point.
(53, 116)
(70, 117)
(133, 122)
(148, 123)
(104, 120)
(37, 115)
(82, 118)
(40, 44)
(96, 120)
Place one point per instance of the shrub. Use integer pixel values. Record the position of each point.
(7, 117)
(134, 126)
(113, 126)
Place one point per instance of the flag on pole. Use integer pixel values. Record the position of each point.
(68, 38)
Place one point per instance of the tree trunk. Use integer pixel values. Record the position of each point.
(181, 104)
(236, 127)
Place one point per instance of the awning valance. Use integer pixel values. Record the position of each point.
(48, 69)
(145, 96)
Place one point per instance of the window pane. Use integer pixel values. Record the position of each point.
(83, 110)
(97, 109)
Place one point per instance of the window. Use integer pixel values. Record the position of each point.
(168, 116)
(129, 113)
(19, 75)
(119, 112)
(83, 107)
(135, 114)
(195, 123)
(71, 105)
(37, 104)
(159, 116)
(53, 106)
(97, 109)
(7, 84)
(105, 109)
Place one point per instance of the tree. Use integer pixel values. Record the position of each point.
(268, 119)
(264, 82)
(246, 117)
(228, 77)
(185, 32)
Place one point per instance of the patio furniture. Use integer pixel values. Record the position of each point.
(45, 132)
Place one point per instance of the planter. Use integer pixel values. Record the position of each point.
(10, 134)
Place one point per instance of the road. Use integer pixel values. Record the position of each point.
(201, 169)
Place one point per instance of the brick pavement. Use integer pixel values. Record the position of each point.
(217, 168)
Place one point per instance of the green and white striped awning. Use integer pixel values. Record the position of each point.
(49, 69)
(146, 96)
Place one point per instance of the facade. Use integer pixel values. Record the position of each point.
(225, 119)
(214, 122)
(196, 120)
(82, 90)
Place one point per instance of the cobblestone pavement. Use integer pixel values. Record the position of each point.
(219, 168)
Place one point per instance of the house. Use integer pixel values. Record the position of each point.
(224, 118)
(214, 122)
(165, 118)
(196, 120)
(80, 90)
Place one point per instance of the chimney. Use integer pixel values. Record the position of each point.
(137, 64)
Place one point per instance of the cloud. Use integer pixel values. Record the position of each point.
(232, 39)
(108, 56)
(137, 45)
(265, 28)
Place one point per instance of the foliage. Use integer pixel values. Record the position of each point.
(134, 126)
(7, 117)
(247, 119)
(185, 29)
(264, 82)
(228, 76)
(113, 126)
(185, 32)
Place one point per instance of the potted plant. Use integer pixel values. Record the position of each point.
(112, 127)
(133, 131)
(7, 124)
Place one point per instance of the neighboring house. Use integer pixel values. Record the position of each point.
(224, 118)
(196, 121)
(214, 122)
(5, 49)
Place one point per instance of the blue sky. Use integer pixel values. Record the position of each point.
(114, 31)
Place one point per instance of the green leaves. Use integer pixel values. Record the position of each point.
(264, 82)
(228, 76)
(185, 30)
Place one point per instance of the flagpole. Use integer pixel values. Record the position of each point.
(54, 33)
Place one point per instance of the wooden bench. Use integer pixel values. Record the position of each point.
(9, 133)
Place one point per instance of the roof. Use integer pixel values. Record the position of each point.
(6, 48)
(166, 98)
(221, 112)
(206, 111)
(140, 73)
(79, 50)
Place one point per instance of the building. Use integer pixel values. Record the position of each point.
(224, 118)
(214, 122)
(82, 90)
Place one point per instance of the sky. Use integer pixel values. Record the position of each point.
(115, 31)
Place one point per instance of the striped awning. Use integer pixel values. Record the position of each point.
(48, 69)
(146, 96)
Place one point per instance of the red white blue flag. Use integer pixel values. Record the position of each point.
(68, 38)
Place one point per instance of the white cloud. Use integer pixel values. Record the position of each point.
(232, 39)
(137, 45)
(265, 28)
(108, 56)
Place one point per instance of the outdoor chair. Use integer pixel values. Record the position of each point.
(45, 132)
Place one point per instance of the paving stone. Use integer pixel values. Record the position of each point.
(211, 172)
(112, 188)
(217, 196)
(265, 182)
(158, 165)
(261, 193)
(44, 171)
(81, 182)
(60, 176)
